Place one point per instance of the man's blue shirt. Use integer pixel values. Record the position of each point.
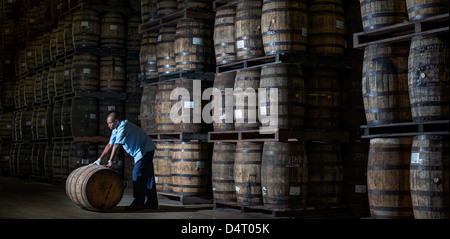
(133, 139)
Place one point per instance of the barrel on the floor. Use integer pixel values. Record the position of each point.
(247, 173)
(190, 169)
(388, 178)
(222, 172)
(428, 79)
(94, 187)
(429, 177)
(284, 175)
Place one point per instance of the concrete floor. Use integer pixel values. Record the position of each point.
(25, 199)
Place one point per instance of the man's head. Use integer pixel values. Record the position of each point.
(113, 121)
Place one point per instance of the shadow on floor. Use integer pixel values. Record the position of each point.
(161, 208)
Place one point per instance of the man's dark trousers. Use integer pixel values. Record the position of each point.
(144, 181)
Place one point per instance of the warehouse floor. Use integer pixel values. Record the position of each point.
(25, 199)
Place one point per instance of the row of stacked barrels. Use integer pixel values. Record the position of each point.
(273, 174)
(79, 117)
(311, 101)
(53, 161)
(255, 28)
(407, 82)
(154, 9)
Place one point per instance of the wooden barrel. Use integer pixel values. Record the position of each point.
(429, 177)
(163, 105)
(5, 158)
(193, 45)
(223, 81)
(11, 7)
(29, 85)
(223, 36)
(44, 122)
(133, 78)
(118, 162)
(162, 162)
(6, 126)
(148, 10)
(50, 83)
(24, 160)
(384, 77)
(79, 117)
(113, 32)
(191, 169)
(13, 160)
(247, 173)
(132, 109)
(7, 92)
(376, 14)
(284, 175)
(56, 161)
(246, 86)
(388, 184)
(9, 33)
(326, 32)
(284, 27)
(148, 55)
(166, 7)
(288, 80)
(56, 118)
(38, 50)
(46, 57)
(428, 78)
(48, 161)
(38, 160)
(105, 107)
(189, 114)
(94, 187)
(85, 72)
(59, 78)
(30, 57)
(148, 109)
(421, 9)
(68, 74)
(354, 185)
(323, 99)
(325, 174)
(68, 37)
(222, 172)
(112, 74)
(249, 42)
(200, 5)
(165, 52)
(133, 38)
(23, 124)
(59, 38)
(86, 28)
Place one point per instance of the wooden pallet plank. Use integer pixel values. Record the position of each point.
(440, 127)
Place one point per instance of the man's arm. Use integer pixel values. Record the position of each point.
(115, 147)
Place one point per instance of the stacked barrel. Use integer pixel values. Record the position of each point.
(76, 65)
(180, 45)
(406, 84)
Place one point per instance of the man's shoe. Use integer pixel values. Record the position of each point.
(133, 207)
(150, 206)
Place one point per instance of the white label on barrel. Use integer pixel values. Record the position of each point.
(62, 127)
(84, 23)
(84, 161)
(67, 72)
(7, 157)
(238, 114)
(304, 31)
(7, 30)
(240, 44)
(8, 126)
(113, 27)
(263, 110)
(294, 190)
(197, 41)
(32, 20)
(24, 64)
(10, 1)
(156, 179)
(360, 188)
(415, 158)
(159, 37)
(28, 123)
(139, 117)
(264, 190)
(93, 116)
(222, 116)
(339, 24)
(29, 53)
(8, 62)
(189, 104)
(86, 70)
(200, 164)
(237, 189)
(43, 121)
(119, 162)
(117, 69)
(214, 189)
(111, 108)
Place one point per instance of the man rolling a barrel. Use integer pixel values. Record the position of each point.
(140, 146)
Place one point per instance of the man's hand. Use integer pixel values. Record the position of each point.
(109, 164)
